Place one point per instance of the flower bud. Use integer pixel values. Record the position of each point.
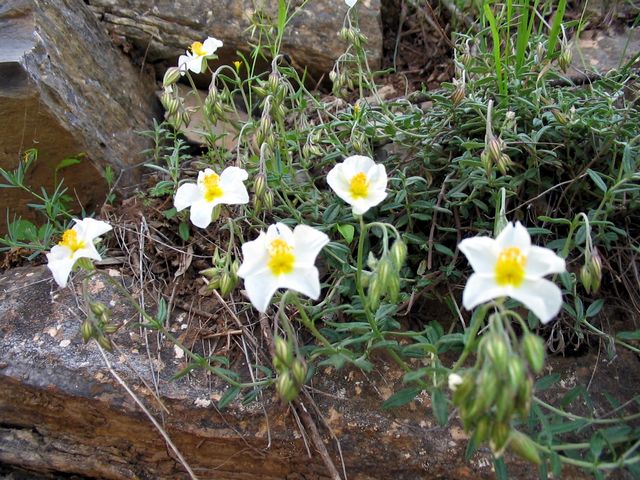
(385, 271)
(541, 51)
(282, 350)
(374, 291)
(299, 372)
(497, 351)
(274, 82)
(481, 432)
(559, 116)
(393, 288)
(458, 95)
(466, 58)
(286, 387)
(87, 331)
(495, 147)
(227, 284)
(499, 437)
(185, 118)
(110, 328)
(171, 76)
(523, 398)
(105, 343)
(398, 253)
(565, 58)
(268, 200)
(504, 163)
(170, 103)
(516, 372)
(534, 350)
(98, 308)
(524, 447)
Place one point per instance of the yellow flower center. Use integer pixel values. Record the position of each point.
(281, 258)
(359, 185)
(510, 267)
(212, 188)
(70, 240)
(198, 49)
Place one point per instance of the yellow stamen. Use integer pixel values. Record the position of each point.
(281, 258)
(510, 267)
(212, 188)
(70, 240)
(198, 49)
(359, 185)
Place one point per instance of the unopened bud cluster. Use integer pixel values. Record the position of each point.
(262, 195)
(98, 325)
(494, 155)
(591, 271)
(176, 112)
(291, 370)
(497, 389)
(384, 281)
(222, 275)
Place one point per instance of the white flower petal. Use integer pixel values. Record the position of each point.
(359, 163)
(89, 251)
(308, 243)
(350, 3)
(339, 182)
(514, 236)
(211, 44)
(196, 64)
(187, 195)
(201, 213)
(280, 230)
(480, 289)
(60, 263)
(305, 280)
(260, 288)
(183, 63)
(541, 296)
(481, 252)
(254, 257)
(233, 174)
(543, 261)
(90, 228)
(377, 177)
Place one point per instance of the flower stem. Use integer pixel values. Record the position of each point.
(307, 322)
(474, 329)
(363, 298)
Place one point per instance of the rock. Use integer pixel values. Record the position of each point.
(600, 51)
(65, 90)
(62, 411)
(163, 30)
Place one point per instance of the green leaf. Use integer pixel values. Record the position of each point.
(546, 382)
(67, 162)
(347, 231)
(401, 397)
(228, 397)
(629, 335)
(595, 307)
(183, 231)
(440, 407)
(597, 180)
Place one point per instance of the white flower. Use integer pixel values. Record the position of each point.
(210, 190)
(282, 259)
(510, 266)
(76, 243)
(196, 59)
(350, 3)
(360, 182)
(454, 381)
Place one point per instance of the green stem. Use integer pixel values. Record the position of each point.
(363, 298)
(307, 322)
(474, 329)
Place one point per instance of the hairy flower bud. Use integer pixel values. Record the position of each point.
(227, 284)
(171, 76)
(398, 253)
(259, 184)
(534, 350)
(87, 331)
(286, 387)
(565, 58)
(299, 372)
(524, 447)
(458, 95)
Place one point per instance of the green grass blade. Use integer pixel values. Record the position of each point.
(555, 27)
(496, 48)
(522, 34)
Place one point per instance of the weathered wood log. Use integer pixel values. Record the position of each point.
(62, 411)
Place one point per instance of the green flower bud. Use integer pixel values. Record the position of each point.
(488, 386)
(87, 331)
(585, 277)
(399, 253)
(98, 308)
(259, 184)
(227, 284)
(458, 94)
(504, 163)
(499, 437)
(286, 387)
(282, 350)
(524, 447)
(374, 291)
(495, 147)
(504, 403)
(393, 288)
(534, 350)
(464, 390)
(523, 398)
(105, 343)
(274, 82)
(482, 430)
(171, 76)
(385, 271)
(110, 328)
(497, 351)
(210, 273)
(268, 200)
(299, 372)
(565, 58)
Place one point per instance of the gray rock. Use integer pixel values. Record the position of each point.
(65, 90)
(164, 29)
(598, 51)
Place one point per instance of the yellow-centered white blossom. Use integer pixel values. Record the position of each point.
(510, 266)
(76, 243)
(196, 57)
(281, 258)
(210, 190)
(360, 182)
